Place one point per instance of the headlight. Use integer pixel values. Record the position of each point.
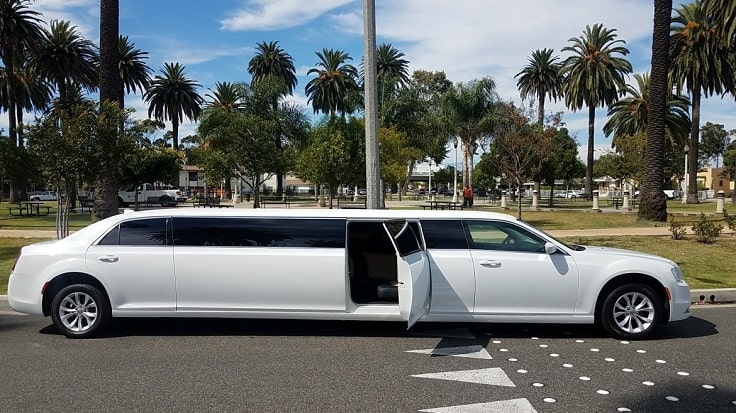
(677, 273)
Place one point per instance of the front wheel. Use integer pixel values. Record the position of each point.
(80, 311)
(631, 311)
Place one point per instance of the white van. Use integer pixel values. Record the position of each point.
(447, 266)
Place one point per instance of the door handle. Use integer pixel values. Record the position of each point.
(491, 263)
(109, 258)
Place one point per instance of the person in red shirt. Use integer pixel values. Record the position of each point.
(468, 196)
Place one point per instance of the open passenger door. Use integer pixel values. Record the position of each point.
(414, 283)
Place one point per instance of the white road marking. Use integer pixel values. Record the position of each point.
(473, 352)
(501, 406)
(493, 376)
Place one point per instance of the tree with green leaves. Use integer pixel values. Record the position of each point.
(395, 154)
(416, 111)
(172, 96)
(540, 79)
(473, 112)
(701, 63)
(594, 74)
(729, 164)
(272, 63)
(329, 92)
(326, 159)
(628, 116)
(563, 162)
(229, 96)
(67, 58)
(20, 31)
(66, 144)
(135, 75)
(240, 142)
(521, 149)
(714, 139)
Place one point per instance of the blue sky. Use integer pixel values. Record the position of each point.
(467, 39)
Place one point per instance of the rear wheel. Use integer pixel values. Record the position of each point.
(121, 203)
(166, 200)
(80, 311)
(631, 311)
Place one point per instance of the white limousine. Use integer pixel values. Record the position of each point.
(440, 266)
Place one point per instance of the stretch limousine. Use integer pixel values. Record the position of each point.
(440, 266)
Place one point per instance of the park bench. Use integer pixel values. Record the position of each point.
(275, 200)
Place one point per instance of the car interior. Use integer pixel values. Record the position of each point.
(372, 264)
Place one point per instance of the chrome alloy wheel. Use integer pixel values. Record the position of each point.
(634, 312)
(78, 312)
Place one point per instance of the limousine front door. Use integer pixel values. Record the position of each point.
(414, 282)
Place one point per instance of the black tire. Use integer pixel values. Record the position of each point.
(80, 311)
(166, 200)
(631, 311)
(122, 204)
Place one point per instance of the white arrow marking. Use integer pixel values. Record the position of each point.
(473, 352)
(494, 376)
(502, 406)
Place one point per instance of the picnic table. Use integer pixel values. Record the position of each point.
(449, 205)
(29, 208)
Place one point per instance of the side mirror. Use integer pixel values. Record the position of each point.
(550, 248)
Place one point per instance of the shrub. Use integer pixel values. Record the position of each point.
(706, 231)
(677, 228)
(730, 220)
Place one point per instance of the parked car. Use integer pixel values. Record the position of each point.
(569, 194)
(43, 196)
(353, 264)
(480, 192)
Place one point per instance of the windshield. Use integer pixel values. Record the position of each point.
(574, 247)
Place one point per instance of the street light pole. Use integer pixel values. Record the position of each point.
(684, 194)
(454, 181)
(373, 173)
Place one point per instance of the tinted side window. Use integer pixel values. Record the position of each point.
(138, 232)
(444, 234)
(259, 232)
(406, 240)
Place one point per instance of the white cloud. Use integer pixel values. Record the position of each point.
(278, 14)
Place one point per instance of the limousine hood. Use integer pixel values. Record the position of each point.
(619, 252)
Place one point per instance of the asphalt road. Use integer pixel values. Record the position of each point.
(293, 366)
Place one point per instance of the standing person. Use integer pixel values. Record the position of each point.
(467, 197)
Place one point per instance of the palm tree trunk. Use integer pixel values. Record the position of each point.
(540, 108)
(653, 205)
(175, 132)
(591, 148)
(692, 160)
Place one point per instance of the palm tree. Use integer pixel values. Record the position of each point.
(700, 64)
(471, 111)
(593, 76)
(20, 30)
(540, 79)
(173, 96)
(227, 95)
(629, 115)
(329, 92)
(271, 60)
(32, 91)
(392, 74)
(723, 14)
(65, 57)
(135, 75)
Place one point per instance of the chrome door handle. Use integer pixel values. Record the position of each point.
(491, 264)
(109, 258)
